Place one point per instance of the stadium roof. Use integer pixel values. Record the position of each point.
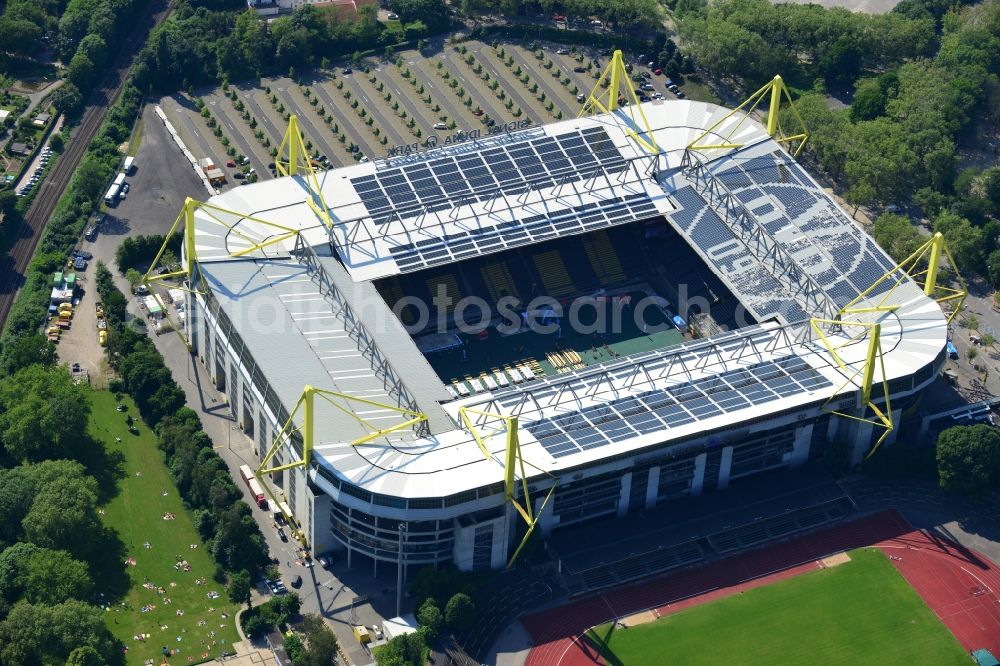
(784, 248)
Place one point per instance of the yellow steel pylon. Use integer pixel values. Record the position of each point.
(932, 251)
(214, 215)
(512, 461)
(298, 161)
(607, 101)
(307, 405)
(776, 87)
(882, 417)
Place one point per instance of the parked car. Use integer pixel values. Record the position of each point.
(231, 163)
(91, 232)
(657, 71)
(324, 561)
(647, 86)
(393, 16)
(558, 17)
(282, 535)
(125, 188)
(580, 69)
(440, 126)
(83, 253)
(680, 94)
(563, 52)
(580, 98)
(239, 175)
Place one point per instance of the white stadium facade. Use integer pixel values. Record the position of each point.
(759, 375)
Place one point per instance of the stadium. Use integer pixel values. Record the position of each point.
(440, 353)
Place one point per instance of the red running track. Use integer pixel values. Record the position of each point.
(959, 585)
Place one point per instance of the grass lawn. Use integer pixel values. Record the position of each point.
(145, 493)
(861, 612)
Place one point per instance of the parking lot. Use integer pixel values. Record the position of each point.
(159, 183)
(356, 111)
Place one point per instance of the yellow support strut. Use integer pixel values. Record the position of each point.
(607, 101)
(307, 404)
(298, 161)
(777, 89)
(213, 214)
(913, 266)
(882, 416)
(513, 461)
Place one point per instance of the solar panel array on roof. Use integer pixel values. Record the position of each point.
(536, 228)
(440, 181)
(763, 181)
(658, 411)
(757, 288)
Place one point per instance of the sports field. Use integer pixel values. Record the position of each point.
(861, 612)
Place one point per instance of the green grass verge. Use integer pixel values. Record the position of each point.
(861, 612)
(145, 494)
(699, 92)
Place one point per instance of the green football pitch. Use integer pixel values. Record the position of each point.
(861, 612)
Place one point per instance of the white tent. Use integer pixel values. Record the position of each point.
(176, 295)
(399, 626)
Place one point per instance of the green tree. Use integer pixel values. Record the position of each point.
(63, 514)
(68, 99)
(17, 488)
(321, 642)
(40, 634)
(239, 588)
(26, 351)
(460, 612)
(95, 49)
(429, 615)
(896, 235)
(133, 277)
(85, 656)
(44, 414)
(966, 242)
(81, 71)
(43, 576)
(968, 458)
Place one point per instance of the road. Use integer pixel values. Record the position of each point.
(15, 264)
(35, 165)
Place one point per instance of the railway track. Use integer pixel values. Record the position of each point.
(14, 266)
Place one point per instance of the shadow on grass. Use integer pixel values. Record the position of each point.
(597, 646)
(106, 466)
(108, 568)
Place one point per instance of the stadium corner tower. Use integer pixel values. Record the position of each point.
(771, 325)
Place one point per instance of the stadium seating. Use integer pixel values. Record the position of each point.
(553, 274)
(603, 259)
